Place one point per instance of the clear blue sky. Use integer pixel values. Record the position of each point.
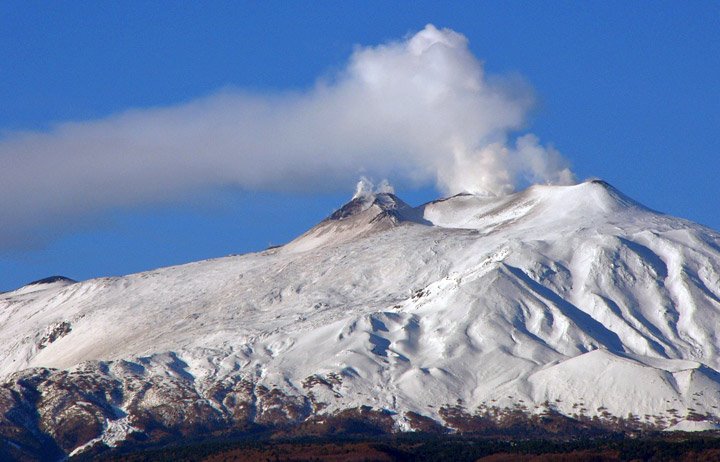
(627, 91)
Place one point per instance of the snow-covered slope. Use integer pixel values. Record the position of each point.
(570, 297)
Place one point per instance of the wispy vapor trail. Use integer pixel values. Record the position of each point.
(418, 110)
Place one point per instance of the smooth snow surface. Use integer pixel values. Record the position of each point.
(573, 295)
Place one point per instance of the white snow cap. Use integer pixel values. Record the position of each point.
(420, 110)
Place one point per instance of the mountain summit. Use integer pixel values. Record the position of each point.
(364, 214)
(560, 302)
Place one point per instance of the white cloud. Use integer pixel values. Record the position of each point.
(416, 111)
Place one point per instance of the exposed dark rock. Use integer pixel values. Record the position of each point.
(52, 279)
(47, 413)
(55, 332)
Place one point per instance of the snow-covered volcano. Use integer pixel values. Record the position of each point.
(571, 298)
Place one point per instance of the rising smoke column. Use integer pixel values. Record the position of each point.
(418, 111)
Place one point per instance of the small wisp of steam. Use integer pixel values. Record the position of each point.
(365, 188)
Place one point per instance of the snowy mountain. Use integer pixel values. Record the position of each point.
(558, 301)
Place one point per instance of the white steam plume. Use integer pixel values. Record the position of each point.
(366, 188)
(418, 110)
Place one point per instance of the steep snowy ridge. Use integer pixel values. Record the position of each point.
(574, 299)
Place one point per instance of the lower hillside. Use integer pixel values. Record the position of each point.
(86, 413)
(424, 447)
